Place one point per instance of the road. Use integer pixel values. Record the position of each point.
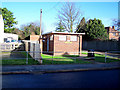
(83, 79)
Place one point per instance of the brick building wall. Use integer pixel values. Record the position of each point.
(34, 37)
(113, 34)
(66, 47)
(62, 47)
(51, 44)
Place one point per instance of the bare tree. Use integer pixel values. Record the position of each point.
(70, 16)
(32, 28)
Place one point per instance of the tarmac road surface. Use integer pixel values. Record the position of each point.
(83, 79)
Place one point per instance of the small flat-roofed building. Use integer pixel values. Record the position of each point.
(62, 43)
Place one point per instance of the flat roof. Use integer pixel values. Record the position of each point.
(64, 33)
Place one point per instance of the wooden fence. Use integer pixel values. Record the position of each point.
(101, 45)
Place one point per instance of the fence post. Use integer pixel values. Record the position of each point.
(41, 60)
(105, 56)
(74, 59)
(52, 58)
(27, 57)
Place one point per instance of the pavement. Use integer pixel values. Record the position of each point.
(25, 69)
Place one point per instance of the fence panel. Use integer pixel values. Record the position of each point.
(101, 45)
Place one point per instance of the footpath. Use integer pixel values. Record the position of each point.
(25, 69)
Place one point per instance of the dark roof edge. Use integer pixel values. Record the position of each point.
(63, 33)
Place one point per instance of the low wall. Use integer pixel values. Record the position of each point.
(101, 45)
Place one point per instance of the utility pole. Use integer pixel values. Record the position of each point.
(40, 20)
(40, 38)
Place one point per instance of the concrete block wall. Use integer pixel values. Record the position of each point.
(33, 48)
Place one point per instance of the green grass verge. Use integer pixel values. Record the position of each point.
(101, 58)
(47, 59)
(66, 59)
(65, 62)
(20, 61)
(84, 53)
(14, 62)
(6, 52)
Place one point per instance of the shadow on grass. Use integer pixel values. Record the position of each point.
(108, 60)
(19, 58)
(14, 62)
(77, 61)
(63, 59)
(70, 55)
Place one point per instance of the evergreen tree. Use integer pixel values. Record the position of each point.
(9, 20)
(60, 27)
(82, 26)
(93, 29)
(96, 30)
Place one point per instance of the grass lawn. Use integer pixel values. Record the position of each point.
(7, 52)
(19, 61)
(66, 59)
(47, 59)
(101, 58)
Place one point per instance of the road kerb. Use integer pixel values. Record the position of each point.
(57, 71)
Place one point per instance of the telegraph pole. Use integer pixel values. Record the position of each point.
(40, 20)
(40, 39)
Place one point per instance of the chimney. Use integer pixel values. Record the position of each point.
(113, 27)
